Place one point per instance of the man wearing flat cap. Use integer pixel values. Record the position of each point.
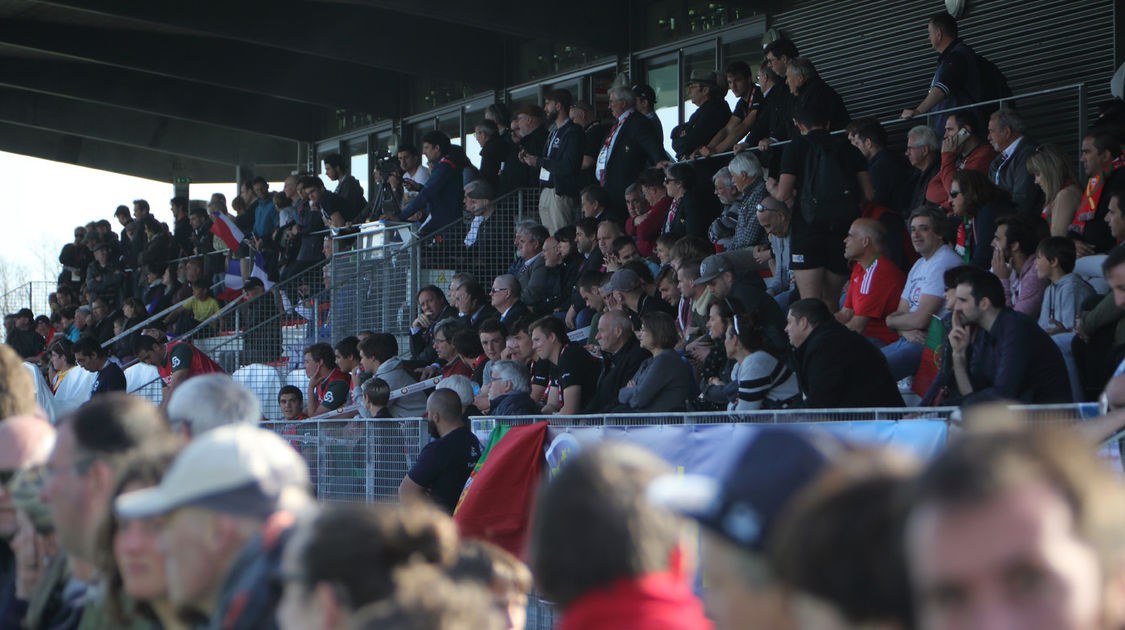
(712, 114)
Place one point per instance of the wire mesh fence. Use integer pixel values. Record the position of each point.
(34, 295)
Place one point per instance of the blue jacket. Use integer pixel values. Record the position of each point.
(265, 218)
(513, 404)
(442, 194)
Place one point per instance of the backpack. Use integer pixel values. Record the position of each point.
(828, 194)
(993, 83)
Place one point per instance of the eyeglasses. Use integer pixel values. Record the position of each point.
(953, 194)
(498, 289)
(440, 340)
(669, 180)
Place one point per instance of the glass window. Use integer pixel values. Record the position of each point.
(357, 154)
(698, 61)
(321, 151)
(474, 113)
(450, 124)
(663, 74)
(520, 98)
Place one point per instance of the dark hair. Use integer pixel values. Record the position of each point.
(335, 160)
(766, 69)
(65, 348)
(952, 276)
(467, 343)
(86, 344)
(1116, 257)
(667, 274)
(522, 325)
(661, 328)
(979, 191)
(588, 225)
(492, 325)
(488, 128)
(868, 129)
(407, 147)
(348, 347)
(141, 203)
(179, 202)
(475, 291)
(434, 290)
(1106, 142)
(322, 352)
(122, 210)
(780, 47)
(561, 96)
(739, 68)
(642, 270)
(965, 119)
(591, 278)
(1059, 249)
(812, 113)
(356, 548)
(380, 346)
(1019, 231)
(651, 177)
(945, 22)
(377, 392)
(551, 325)
(938, 220)
(197, 211)
(500, 112)
(437, 138)
(291, 389)
(812, 309)
(621, 241)
(751, 335)
(690, 246)
(538, 232)
(684, 173)
(597, 194)
(983, 284)
(114, 424)
(565, 234)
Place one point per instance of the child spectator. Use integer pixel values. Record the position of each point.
(201, 305)
(1065, 292)
(377, 397)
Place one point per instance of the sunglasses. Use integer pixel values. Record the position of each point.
(953, 194)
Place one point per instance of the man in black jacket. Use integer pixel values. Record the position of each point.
(836, 367)
(706, 121)
(432, 308)
(622, 355)
(629, 147)
(560, 165)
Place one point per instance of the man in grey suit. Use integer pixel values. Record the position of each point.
(1009, 169)
(532, 274)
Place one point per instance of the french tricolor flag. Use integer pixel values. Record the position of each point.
(222, 225)
(232, 285)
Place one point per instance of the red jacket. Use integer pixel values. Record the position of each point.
(978, 160)
(649, 228)
(658, 601)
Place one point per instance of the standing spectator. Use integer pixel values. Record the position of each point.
(530, 122)
(132, 241)
(710, 116)
(745, 114)
(348, 187)
(621, 356)
(773, 122)
(646, 106)
(978, 203)
(921, 298)
(574, 373)
(439, 202)
(891, 173)
(181, 232)
(493, 150)
(593, 134)
(806, 86)
(922, 150)
(1014, 262)
(560, 165)
(957, 81)
(443, 466)
(1009, 169)
(875, 286)
(829, 178)
(378, 354)
(414, 175)
(104, 278)
(1055, 176)
(23, 338)
(629, 147)
(962, 149)
(760, 378)
(1009, 357)
(836, 367)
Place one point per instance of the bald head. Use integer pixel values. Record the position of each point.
(444, 409)
(24, 441)
(865, 240)
(614, 330)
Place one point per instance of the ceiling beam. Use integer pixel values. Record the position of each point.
(366, 36)
(221, 62)
(165, 96)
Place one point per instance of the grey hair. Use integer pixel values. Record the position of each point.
(211, 401)
(1007, 118)
(512, 284)
(801, 67)
(513, 372)
(745, 164)
(525, 226)
(633, 188)
(926, 136)
(460, 385)
(482, 187)
(486, 130)
(623, 93)
(722, 175)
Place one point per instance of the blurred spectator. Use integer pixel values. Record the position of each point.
(426, 599)
(646, 105)
(508, 579)
(836, 367)
(90, 355)
(772, 124)
(1054, 174)
(261, 325)
(25, 441)
(23, 338)
(532, 274)
(1101, 159)
(493, 335)
(606, 554)
(624, 291)
(1009, 169)
(775, 218)
(211, 401)
(444, 334)
(662, 383)
(291, 402)
(102, 320)
(444, 465)
(228, 501)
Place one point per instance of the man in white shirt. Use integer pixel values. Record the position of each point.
(923, 297)
(414, 175)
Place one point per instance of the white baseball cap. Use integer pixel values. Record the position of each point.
(238, 469)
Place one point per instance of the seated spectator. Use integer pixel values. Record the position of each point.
(532, 273)
(102, 322)
(922, 296)
(432, 308)
(329, 388)
(944, 385)
(978, 203)
(438, 204)
(1014, 262)
(443, 466)
(245, 484)
(508, 391)
(891, 173)
(662, 383)
(292, 403)
(962, 148)
(444, 334)
(1009, 357)
(963, 519)
(923, 151)
(1009, 169)
(590, 288)
(760, 377)
(688, 214)
(473, 303)
(624, 291)
(836, 367)
(722, 228)
(1054, 174)
(200, 307)
(1101, 159)
(668, 287)
(746, 173)
(28, 343)
(643, 223)
(493, 336)
(744, 294)
(378, 354)
(625, 251)
(695, 299)
(1065, 292)
(656, 199)
(1101, 329)
(79, 324)
(876, 284)
(468, 347)
(574, 372)
(344, 559)
(346, 351)
(774, 217)
(261, 326)
(377, 398)
(211, 401)
(595, 204)
(60, 360)
(596, 509)
(505, 296)
(90, 355)
(621, 355)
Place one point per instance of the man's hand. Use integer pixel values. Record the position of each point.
(763, 255)
(527, 158)
(571, 315)
(703, 151)
(952, 144)
(764, 144)
(1083, 248)
(417, 216)
(958, 337)
(999, 267)
(411, 185)
(422, 321)
(914, 336)
(740, 147)
(909, 113)
(481, 401)
(428, 372)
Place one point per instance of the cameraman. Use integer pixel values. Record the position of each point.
(389, 190)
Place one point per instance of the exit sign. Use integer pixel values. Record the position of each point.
(181, 180)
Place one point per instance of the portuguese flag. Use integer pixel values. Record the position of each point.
(931, 357)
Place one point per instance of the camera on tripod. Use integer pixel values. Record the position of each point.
(387, 164)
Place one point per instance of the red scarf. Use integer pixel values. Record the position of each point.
(657, 601)
(1094, 189)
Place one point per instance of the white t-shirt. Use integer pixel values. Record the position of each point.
(420, 176)
(927, 277)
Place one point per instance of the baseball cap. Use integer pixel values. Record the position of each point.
(773, 469)
(584, 106)
(645, 91)
(711, 267)
(235, 469)
(703, 78)
(624, 280)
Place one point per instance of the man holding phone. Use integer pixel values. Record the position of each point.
(962, 149)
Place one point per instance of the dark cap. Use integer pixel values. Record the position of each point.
(703, 78)
(584, 106)
(711, 267)
(776, 466)
(100, 246)
(645, 91)
(480, 189)
(624, 280)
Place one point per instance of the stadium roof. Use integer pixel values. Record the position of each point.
(176, 88)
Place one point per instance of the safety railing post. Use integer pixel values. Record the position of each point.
(1083, 113)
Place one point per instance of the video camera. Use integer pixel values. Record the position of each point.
(387, 164)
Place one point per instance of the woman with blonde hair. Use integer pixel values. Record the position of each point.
(1056, 178)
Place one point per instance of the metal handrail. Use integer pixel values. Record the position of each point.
(1081, 87)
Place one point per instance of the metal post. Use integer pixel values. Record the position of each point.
(1083, 114)
(369, 463)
